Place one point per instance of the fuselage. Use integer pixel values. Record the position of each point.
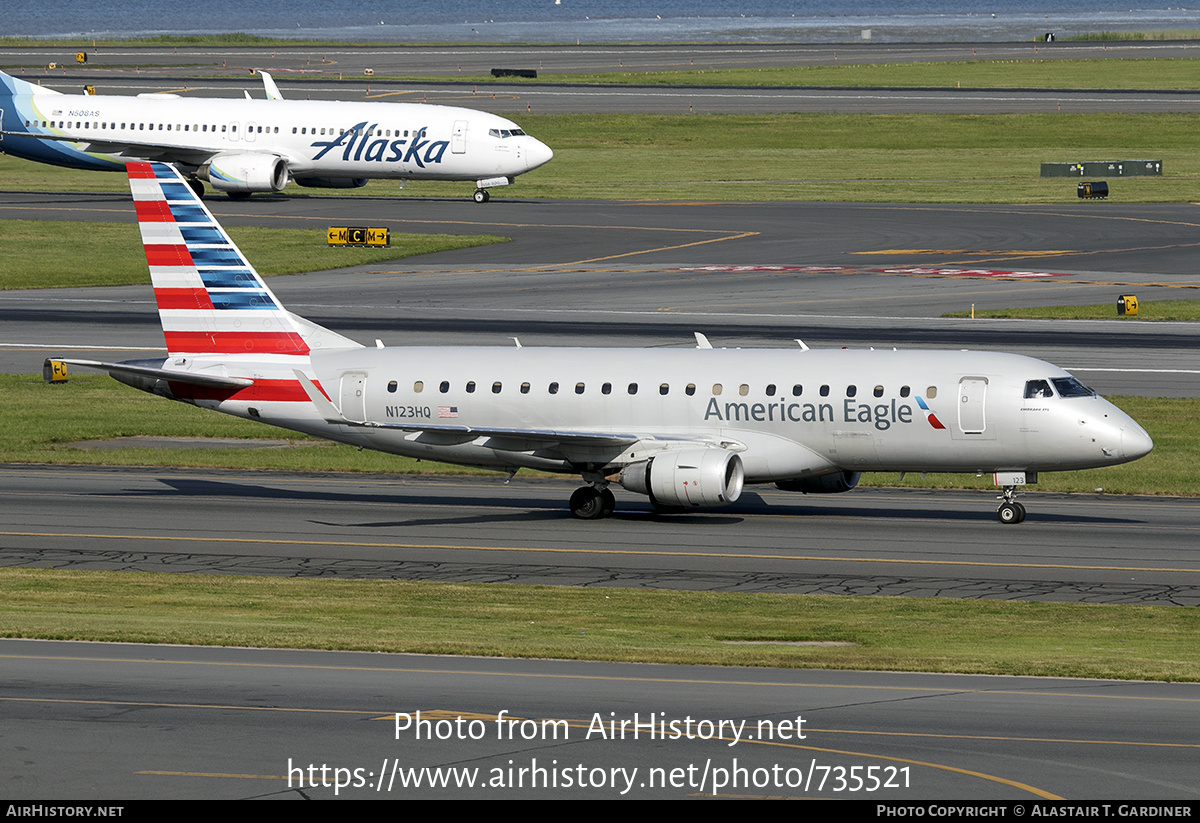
(318, 140)
(788, 413)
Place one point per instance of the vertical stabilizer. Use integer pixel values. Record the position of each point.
(210, 299)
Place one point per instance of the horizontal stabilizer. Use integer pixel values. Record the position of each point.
(207, 380)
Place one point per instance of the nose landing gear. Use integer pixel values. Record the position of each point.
(1010, 510)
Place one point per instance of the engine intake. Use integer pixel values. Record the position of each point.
(692, 478)
(245, 173)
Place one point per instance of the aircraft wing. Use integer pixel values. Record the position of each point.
(540, 437)
(141, 150)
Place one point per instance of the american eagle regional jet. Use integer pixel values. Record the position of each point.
(687, 427)
(246, 146)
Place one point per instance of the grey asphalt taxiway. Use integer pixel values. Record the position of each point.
(611, 273)
(111, 721)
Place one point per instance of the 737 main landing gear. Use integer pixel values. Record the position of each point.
(1010, 510)
(592, 503)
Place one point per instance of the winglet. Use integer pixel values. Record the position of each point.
(702, 341)
(269, 86)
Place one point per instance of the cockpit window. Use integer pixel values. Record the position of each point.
(502, 133)
(1070, 387)
(1037, 388)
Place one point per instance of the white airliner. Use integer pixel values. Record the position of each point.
(688, 427)
(242, 146)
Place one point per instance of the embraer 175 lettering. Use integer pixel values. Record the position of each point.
(246, 146)
(687, 427)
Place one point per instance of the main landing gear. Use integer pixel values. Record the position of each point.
(1010, 510)
(482, 196)
(592, 503)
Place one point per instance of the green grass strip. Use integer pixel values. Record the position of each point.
(911, 158)
(1147, 311)
(889, 634)
(41, 421)
(1031, 72)
(70, 254)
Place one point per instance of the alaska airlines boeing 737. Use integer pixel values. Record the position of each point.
(687, 427)
(242, 146)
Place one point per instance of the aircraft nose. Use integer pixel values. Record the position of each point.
(537, 154)
(1135, 442)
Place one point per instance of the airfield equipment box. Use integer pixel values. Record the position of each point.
(1096, 168)
(1092, 191)
(1127, 304)
(530, 73)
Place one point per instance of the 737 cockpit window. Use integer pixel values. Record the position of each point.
(1037, 388)
(1070, 387)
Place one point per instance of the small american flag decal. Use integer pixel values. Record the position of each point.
(447, 411)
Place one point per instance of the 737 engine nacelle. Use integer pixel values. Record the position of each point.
(692, 478)
(245, 173)
(831, 483)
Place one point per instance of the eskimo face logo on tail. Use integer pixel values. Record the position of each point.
(929, 415)
(361, 142)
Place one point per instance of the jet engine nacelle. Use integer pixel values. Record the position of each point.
(693, 478)
(332, 182)
(245, 173)
(831, 483)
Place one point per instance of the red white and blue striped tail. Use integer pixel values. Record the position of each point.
(210, 299)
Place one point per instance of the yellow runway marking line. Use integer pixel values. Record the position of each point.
(691, 681)
(406, 220)
(740, 236)
(215, 774)
(591, 551)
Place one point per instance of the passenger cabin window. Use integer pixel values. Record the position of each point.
(690, 389)
(851, 391)
(444, 387)
(606, 388)
(824, 391)
(1037, 388)
(905, 391)
(553, 388)
(392, 386)
(878, 391)
(470, 387)
(524, 388)
(797, 390)
(716, 389)
(664, 389)
(418, 387)
(496, 387)
(579, 388)
(931, 392)
(743, 389)
(633, 388)
(770, 390)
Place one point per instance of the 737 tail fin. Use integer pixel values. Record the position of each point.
(210, 299)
